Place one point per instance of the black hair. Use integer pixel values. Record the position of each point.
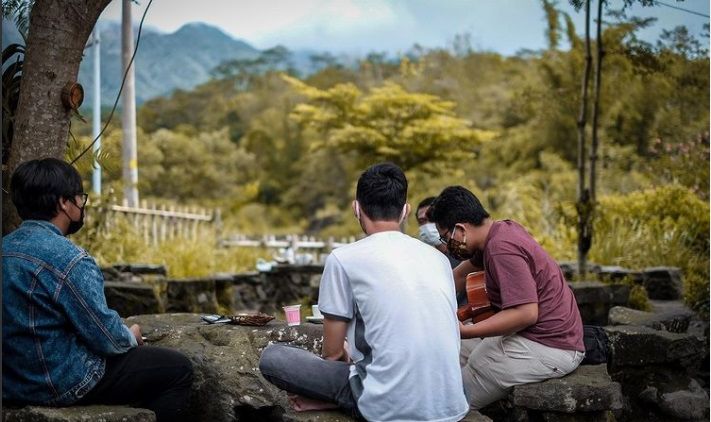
(425, 203)
(37, 186)
(382, 192)
(456, 204)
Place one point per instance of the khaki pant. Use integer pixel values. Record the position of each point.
(491, 366)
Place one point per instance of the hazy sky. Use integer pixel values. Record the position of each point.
(360, 26)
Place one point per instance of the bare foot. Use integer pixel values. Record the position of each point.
(302, 404)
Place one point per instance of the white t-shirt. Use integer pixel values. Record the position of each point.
(398, 295)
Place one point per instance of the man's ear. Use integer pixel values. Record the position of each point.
(356, 209)
(405, 212)
(62, 204)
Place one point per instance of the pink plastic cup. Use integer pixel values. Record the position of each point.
(293, 315)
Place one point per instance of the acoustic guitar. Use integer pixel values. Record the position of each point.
(479, 308)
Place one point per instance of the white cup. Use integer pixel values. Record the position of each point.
(315, 312)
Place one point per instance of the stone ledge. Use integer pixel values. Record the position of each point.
(666, 317)
(78, 414)
(132, 298)
(595, 299)
(588, 389)
(664, 283)
(634, 345)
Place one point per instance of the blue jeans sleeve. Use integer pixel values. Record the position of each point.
(83, 300)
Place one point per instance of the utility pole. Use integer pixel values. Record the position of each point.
(96, 175)
(130, 156)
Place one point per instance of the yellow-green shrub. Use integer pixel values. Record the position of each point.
(119, 242)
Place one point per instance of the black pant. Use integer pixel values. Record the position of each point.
(149, 377)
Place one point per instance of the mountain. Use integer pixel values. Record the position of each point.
(164, 62)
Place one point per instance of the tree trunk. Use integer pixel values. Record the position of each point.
(583, 193)
(57, 35)
(596, 109)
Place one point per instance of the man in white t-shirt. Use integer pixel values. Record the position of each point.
(392, 297)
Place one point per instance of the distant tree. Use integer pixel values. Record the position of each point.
(386, 124)
(245, 71)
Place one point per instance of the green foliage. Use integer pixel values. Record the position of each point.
(19, 11)
(662, 226)
(281, 155)
(388, 124)
(12, 61)
(639, 299)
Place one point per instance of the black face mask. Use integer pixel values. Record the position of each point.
(75, 226)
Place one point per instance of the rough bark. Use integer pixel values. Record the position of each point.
(58, 32)
(596, 107)
(583, 205)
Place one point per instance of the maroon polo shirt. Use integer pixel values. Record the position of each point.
(519, 271)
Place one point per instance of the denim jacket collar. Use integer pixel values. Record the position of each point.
(43, 223)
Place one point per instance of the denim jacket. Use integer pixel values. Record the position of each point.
(56, 326)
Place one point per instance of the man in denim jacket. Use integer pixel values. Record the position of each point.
(62, 345)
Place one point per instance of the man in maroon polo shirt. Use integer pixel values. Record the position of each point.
(537, 332)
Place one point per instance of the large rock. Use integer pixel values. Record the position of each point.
(668, 318)
(227, 384)
(78, 414)
(587, 389)
(595, 299)
(662, 393)
(632, 345)
(662, 283)
(132, 298)
(691, 403)
(688, 402)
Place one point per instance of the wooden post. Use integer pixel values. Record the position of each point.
(194, 228)
(144, 221)
(217, 221)
(163, 226)
(154, 225)
(583, 193)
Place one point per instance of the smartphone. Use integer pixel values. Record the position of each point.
(215, 319)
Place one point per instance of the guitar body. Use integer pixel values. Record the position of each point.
(479, 308)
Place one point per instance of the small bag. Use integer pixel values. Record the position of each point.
(597, 345)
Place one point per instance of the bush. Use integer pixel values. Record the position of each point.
(662, 226)
(666, 225)
(118, 241)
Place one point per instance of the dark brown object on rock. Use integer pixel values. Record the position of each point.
(257, 319)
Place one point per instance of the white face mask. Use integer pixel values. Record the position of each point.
(429, 234)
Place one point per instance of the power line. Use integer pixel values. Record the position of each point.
(123, 82)
(693, 12)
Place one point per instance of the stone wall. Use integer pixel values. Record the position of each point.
(136, 293)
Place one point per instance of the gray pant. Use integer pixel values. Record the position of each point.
(301, 372)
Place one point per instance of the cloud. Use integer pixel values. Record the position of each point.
(359, 26)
